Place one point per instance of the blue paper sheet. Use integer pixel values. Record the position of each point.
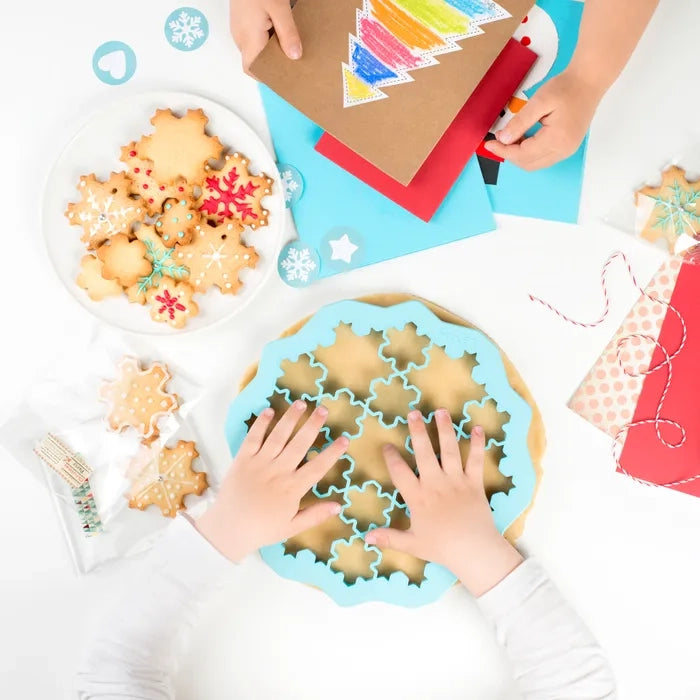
(336, 204)
(553, 193)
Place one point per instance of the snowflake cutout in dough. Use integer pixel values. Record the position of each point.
(138, 397)
(163, 476)
(106, 208)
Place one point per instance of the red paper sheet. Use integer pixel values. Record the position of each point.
(643, 455)
(426, 192)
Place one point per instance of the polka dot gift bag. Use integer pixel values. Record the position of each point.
(643, 390)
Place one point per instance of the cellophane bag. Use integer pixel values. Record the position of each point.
(61, 434)
(663, 207)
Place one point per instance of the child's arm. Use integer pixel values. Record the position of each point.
(566, 104)
(552, 652)
(251, 22)
(132, 654)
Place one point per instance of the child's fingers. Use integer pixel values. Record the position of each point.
(389, 538)
(250, 25)
(285, 28)
(300, 444)
(450, 458)
(401, 474)
(251, 44)
(256, 435)
(428, 465)
(531, 154)
(312, 516)
(522, 122)
(317, 467)
(474, 467)
(281, 433)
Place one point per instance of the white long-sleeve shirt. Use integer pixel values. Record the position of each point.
(552, 653)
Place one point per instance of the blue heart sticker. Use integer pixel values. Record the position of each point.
(114, 62)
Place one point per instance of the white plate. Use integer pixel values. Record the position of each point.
(96, 149)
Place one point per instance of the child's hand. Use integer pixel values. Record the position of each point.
(259, 499)
(451, 521)
(251, 22)
(565, 106)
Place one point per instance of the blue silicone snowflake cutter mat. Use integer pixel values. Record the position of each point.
(369, 366)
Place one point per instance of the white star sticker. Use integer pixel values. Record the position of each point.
(342, 249)
(216, 256)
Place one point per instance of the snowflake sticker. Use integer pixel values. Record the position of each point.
(186, 29)
(299, 264)
(292, 184)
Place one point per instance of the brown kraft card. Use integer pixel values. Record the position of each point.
(387, 77)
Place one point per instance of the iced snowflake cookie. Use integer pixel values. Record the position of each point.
(138, 398)
(147, 226)
(178, 221)
(670, 211)
(163, 476)
(105, 208)
(163, 264)
(232, 193)
(91, 280)
(171, 302)
(124, 260)
(216, 256)
(179, 147)
(144, 183)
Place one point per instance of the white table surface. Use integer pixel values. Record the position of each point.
(625, 555)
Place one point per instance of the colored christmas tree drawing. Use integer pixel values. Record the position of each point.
(395, 37)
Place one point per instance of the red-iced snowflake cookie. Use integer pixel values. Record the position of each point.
(105, 209)
(179, 147)
(232, 193)
(144, 183)
(138, 397)
(171, 302)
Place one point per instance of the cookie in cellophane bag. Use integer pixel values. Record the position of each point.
(663, 208)
(62, 434)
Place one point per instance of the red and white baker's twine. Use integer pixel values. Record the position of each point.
(656, 421)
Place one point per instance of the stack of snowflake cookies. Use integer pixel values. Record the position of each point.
(170, 225)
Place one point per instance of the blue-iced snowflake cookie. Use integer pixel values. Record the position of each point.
(369, 364)
(670, 211)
